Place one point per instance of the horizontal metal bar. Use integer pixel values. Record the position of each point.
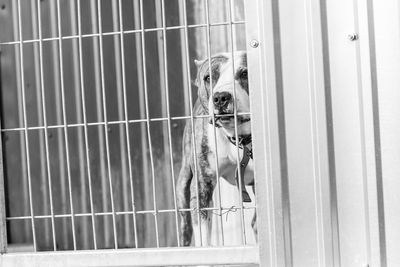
(100, 123)
(69, 37)
(135, 257)
(106, 213)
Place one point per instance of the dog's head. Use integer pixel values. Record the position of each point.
(225, 87)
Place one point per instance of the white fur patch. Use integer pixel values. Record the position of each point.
(227, 156)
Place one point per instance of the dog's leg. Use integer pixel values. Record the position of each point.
(183, 190)
(254, 220)
(202, 229)
(183, 201)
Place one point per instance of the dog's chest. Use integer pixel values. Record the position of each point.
(227, 158)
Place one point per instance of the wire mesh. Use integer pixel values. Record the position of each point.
(112, 93)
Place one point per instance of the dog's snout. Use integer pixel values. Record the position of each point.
(221, 99)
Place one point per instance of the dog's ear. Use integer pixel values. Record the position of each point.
(202, 92)
(203, 95)
(198, 63)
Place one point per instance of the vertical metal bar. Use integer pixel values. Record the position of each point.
(28, 164)
(64, 112)
(208, 37)
(82, 85)
(142, 103)
(128, 145)
(118, 57)
(235, 116)
(79, 116)
(3, 225)
(164, 99)
(148, 120)
(99, 113)
(211, 113)
(163, 13)
(57, 106)
(262, 18)
(6, 30)
(46, 137)
(105, 121)
(161, 69)
(24, 172)
(185, 63)
(42, 151)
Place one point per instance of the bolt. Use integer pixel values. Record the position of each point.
(353, 37)
(254, 43)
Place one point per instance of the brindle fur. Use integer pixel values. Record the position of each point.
(206, 173)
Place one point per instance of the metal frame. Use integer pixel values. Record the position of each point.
(3, 224)
(264, 71)
(136, 257)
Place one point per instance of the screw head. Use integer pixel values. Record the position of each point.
(254, 43)
(353, 37)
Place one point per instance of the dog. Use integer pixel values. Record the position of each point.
(215, 133)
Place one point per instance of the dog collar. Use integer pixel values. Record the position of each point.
(242, 142)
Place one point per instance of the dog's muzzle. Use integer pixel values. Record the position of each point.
(221, 100)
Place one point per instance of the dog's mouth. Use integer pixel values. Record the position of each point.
(227, 118)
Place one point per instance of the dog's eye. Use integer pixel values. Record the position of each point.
(207, 78)
(243, 75)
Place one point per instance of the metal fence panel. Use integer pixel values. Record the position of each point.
(80, 125)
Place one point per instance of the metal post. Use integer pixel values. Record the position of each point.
(264, 69)
(3, 225)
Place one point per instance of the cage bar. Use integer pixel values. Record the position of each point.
(55, 63)
(45, 158)
(235, 116)
(163, 15)
(101, 51)
(42, 150)
(74, 125)
(26, 138)
(78, 116)
(208, 45)
(232, 208)
(89, 35)
(128, 146)
(148, 121)
(85, 125)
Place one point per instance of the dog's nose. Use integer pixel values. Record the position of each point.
(221, 99)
